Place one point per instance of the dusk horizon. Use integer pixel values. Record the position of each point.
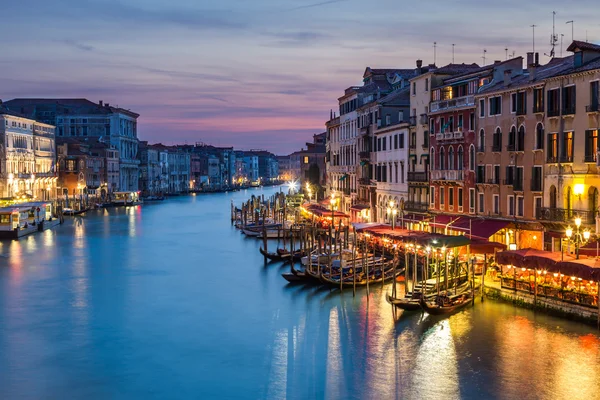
(262, 75)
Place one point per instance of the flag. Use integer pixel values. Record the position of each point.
(343, 177)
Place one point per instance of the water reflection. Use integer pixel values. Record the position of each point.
(134, 302)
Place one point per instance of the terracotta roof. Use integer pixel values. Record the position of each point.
(580, 45)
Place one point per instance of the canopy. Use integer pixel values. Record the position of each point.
(480, 246)
(359, 207)
(441, 220)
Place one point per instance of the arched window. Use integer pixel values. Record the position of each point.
(451, 158)
(432, 159)
(460, 162)
(497, 142)
(512, 138)
(472, 158)
(593, 200)
(521, 139)
(482, 141)
(442, 159)
(539, 136)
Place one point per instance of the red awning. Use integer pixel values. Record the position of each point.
(414, 217)
(441, 220)
(359, 207)
(480, 227)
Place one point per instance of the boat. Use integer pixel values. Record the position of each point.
(412, 300)
(444, 304)
(377, 272)
(271, 256)
(292, 278)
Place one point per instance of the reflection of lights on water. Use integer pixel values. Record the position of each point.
(277, 386)
(334, 382)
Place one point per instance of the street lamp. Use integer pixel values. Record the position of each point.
(577, 237)
(392, 211)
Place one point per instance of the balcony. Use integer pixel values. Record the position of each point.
(447, 175)
(365, 156)
(424, 119)
(569, 110)
(414, 206)
(518, 185)
(538, 108)
(365, 182)
(554, 112)
(412, 120)
(593, 108)
(464, 101)
(418, 177)
(566, 159)
(521, 111)
(551, 159)
(566, 215)
(364, 130)
(459, 134)
(450, 135)
(590, 158)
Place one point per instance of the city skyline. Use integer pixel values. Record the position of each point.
(259, 75)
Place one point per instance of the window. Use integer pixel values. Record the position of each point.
(305, 159)
(401, 172)
(426, 84)
(520, 206)
(553, 102)
(480, 175)
(591, 145)
(414, 88)
(451, 197)
(432, 196)
(460, 159)
(460, 121)
(538, 100)
(441, 197)
(481, 141)
(400, 116)
(431, 126)
(442, 124)
(511, 206)
(518, 179)
(401, 141)
(594, 96)
(481, 203)
(521, 139)
(539, 136)
(536, 178)
(567, 149)
(460, 199)
(495, 105)
(383, 144)
(432, 158)
(537, 206)
(496, 176)
(395, 141)
(481, 108)
(451, 158)
(70, 165)
(472, 121)
(472, 158)
(513, 103)
(512, 137)
(510, 175)
(442, 163)
(472, 200)
(497, 140)
(568, 98)
(496, 204)
(552, 151)
(521, 107)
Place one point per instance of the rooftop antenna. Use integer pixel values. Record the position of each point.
(533, 27)
(562, 35)
(506, 51)
(453, 52)
(484, 51)
(572, 28)
(553, 37)
(434, 51)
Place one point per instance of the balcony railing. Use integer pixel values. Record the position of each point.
(447, 175)
(518, 185)
(364, 156)
(453, 103)
(554, 112)
(590, 158)
(450, 135)
(566, 159)
(365, 181)
(569, 110)
(551, 159)
(521, 111)
(364, 130)
(459, 134)
(423, 119)
(414, 206)
(593, 108)
(418, 177)
(412, 120)
(566, 215)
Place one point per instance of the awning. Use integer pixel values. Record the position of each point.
(479, 227)
(588, 269)
(359, 207)
(411, 217)
(442, 220)
(480, 246)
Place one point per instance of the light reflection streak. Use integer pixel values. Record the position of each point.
(277, 383)
(334, 381)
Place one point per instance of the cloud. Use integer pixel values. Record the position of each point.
(78, 45)
(323, 3)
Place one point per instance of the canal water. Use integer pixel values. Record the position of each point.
(169, 301)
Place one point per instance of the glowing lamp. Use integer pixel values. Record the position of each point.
(578, 222)
(569, 232)
(509, 267)
(428, 249)
(586, 235)
(572, 278)
(523, 269)
(556, 275)
(512, 246)
(578, 189)
(444, 249)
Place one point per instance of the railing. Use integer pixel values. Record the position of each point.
(554, 112)
(364, 129)
(590, 158)
(593, 108)
(494, 181)
(418, 177)
(509, 182)
(551, 159)
(447, 175)
(558, 293)
(412, 120)
(518, 185)
(497, 148)
(424, 119)
(459, 135)
(439, 136)
(538, 108)
(566, 159)
(365, 155)
(453, 103)
(364, 181)
(480, 178)
(414, 206)
(536, 186)
(521, 111)
(566, 215)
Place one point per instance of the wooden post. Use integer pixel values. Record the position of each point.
(367, 266)
(598, 301)
(483, 274)
(473, 279)
(382, 263)
(354, 269)
(535, 274)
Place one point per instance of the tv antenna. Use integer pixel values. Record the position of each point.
(553, 37)
(453, 53)
(506, 51)
(434, 48)
(572, 28)
(533, 27)
(484, 51)
(562, 35)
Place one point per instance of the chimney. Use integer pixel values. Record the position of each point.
(497, 61)
(532, 63)
(537, 59)
(419, 66)
(107, 105)
(100, 103)
(530, 60)
(507, 77)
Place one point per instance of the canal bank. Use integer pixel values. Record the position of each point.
(169, 300)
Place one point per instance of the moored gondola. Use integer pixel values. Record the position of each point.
(447, 304)
(271, 256)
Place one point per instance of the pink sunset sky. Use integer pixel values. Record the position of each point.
(252, 74)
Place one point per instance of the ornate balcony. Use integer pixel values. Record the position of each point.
(464, 101)
(593, 108)
(365, 156)
(566, 215)
(415, 206)
(447, 175)
(418, 177)
(424, 119)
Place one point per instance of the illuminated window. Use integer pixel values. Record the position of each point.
(305, 159)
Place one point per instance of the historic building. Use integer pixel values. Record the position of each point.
(27, 157)
(83, 118)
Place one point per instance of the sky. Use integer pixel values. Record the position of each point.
(254, 74)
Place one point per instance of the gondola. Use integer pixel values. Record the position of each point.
(271, 256)
(413, 301)
(377, 273)
(292, 278)
(447, 304)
